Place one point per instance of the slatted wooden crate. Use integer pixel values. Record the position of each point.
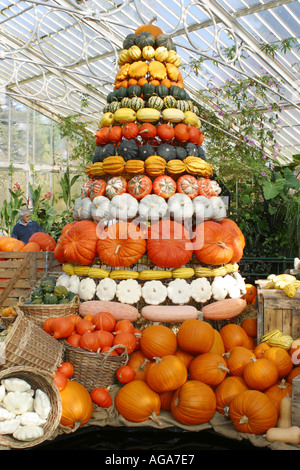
(20, 272)
(277, 311)
(296, 401)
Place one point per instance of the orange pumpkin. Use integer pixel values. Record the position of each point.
(209, 368)
(253, 412)
(250, 326)
(227, 390)
(195, 336)
(169, 244)
(139, 363)
(278, 391)
(238, 238)
(80, 243)
(193, 403)
(158, 341)
(233, 335)
(149, 28)
(260, 349)
(121, 244)
(11, 244)
(260, 374)
(218, 345)
(237, 359)
(251, 293)
(166, 373)
(281, 358)
(137, 402)
(31, 246)
(46, 242)
(77, 405)
(294, 373)
(213, 245)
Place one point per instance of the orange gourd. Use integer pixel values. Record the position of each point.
(11, 244)
(104, 321)
(281, 358)
(44, 240)
(136, 402)
(31, 246)
(166, 373)
(213, 245)
(124, 325)
(218, 345)
(62, 327)
(80, 243)
(90, 341)
(138, 362)
(250, 326)
(209, 368)
(238, 238)
(252, 412)
(195, 336)
(260, 374)
(227, 390)
(60, 380)
(251, 293)
(149, 28)
(125, 374)
(84, 326)
(260, 349)
(233, 335)
(66, 368)
(74, 340)
(158, 341)
(105, 338)
(124, 338)
(237, 359)
(101, 397)
(77, 405)
(193, 403)
(278, 391)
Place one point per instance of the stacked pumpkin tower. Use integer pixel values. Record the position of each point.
(163, 235)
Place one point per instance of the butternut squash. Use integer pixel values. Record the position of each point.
(288, 436)
(119, 310)
(224, 309)
(285, 413)
(169, 313)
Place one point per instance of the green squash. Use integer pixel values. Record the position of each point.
(71, 295)
(47, 286)
(155, 102)
(113, 106)
(166, 151)
(37, 301)
(137, 103)
(166, 41)
(37, 294)
(50, 299)
(162, 90)
(129, 41)
(61, 292)
(169, 101)
(128, 149)
(148, 90)
(177, 92)
(144, 39)
(63, 301)
(134, 90)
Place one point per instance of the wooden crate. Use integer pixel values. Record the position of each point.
(20, 272)
(277, 311)
(296, 401)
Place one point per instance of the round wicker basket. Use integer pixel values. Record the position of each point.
(39, 313)
(37, 380)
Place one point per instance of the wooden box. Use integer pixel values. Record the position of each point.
(277, 311)
(20, 271)
(296, 401)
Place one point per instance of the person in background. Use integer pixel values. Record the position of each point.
(25, 227)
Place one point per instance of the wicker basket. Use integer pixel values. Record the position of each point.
(95, 369)
(37, 380)
(38, 313)
(29, 345)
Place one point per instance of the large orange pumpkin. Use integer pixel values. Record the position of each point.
(80, 243)
(137, 402)
(195, 336)
(227, 390)
(281, 359)
(209, 368)
(46, 242)
(166, 373)
(11, 244)
(77, 405)
(233, 335)
(149, 28)
(31, 246)
(213, 245)
(157, 341)
(276, 392)
(193, 403)
(169, 244)
(238, 238)
(260, 374)
(121, 244)
(237, 359)
(253, 412)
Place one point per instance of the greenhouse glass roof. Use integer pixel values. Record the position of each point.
(61, 57)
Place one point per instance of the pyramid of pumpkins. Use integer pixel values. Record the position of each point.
(150, 190)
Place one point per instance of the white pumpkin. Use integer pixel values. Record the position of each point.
(82, 208)
(152, 207)
(123, 207)
(219, 208)
(181, 206)
(179, 291)
(100, 208)
(203, 208)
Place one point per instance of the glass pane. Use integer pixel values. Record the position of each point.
(19, 130)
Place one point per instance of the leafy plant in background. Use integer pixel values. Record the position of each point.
(10, 209)
(66, 183)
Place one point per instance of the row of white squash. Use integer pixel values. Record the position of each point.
(155, 292)
(151, 207)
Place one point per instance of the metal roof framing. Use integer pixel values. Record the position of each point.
(53, 53)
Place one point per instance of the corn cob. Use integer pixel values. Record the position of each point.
(183, 273)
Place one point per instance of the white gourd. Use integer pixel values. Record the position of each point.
(106, 289)
(100, 208)
(181, 206)
(203, 208)
(31, 418)
(87, 288)
(18, 402)
(9, 426)
(124, 207)
(219, 288)
(179, 291)
(28, 433)
(154, 292)
(2, 392)
(201, 290)
(152, 207)
(82, 208)
(219, 208)
(42, 404)
(5, 414)
(15, 384)
(128, 291)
